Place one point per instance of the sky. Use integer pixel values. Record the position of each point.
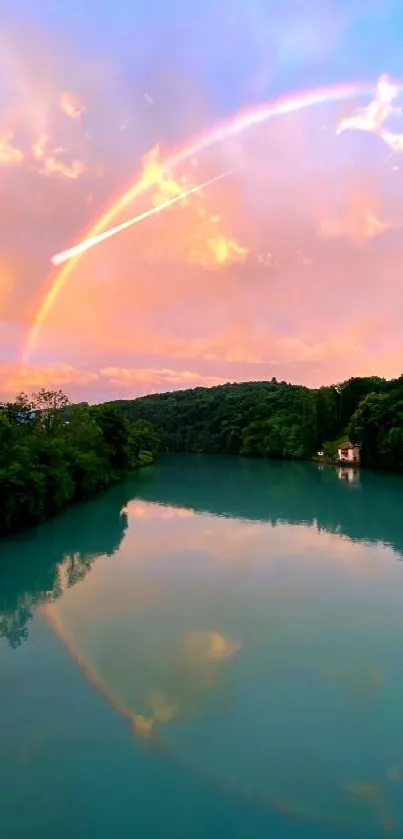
(289, 266)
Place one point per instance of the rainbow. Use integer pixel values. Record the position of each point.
(288, 104)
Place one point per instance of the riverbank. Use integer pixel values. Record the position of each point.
(53, 454)
(280, 420)
(48, 462)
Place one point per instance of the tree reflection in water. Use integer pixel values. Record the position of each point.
(293, 493)
(30, 563)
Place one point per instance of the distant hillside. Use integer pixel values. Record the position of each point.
(280, 420)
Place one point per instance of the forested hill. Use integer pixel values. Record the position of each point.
(280, 420)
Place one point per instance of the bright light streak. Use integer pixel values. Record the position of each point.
(63, 256)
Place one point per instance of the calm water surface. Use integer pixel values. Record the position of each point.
(212, 649)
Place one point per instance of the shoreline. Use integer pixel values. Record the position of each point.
(318, 461)
(73, 503)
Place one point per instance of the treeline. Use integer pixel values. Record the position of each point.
(279, 420)
(53, 453)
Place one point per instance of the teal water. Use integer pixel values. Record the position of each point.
(213, 648)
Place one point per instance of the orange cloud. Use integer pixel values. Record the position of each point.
(53, 166)
(222, 250)
(39, 147)
(365, 228)
(10, 155)
(197, 231)
(30, 109)
(48, 163)
(14, 378)
(51, 162)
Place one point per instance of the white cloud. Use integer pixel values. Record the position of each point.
(372, 117)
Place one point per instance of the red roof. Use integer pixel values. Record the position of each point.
(345, 446)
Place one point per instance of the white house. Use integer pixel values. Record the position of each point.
(348, 453)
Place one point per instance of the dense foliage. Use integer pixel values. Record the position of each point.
(52, 454)
(279, 420)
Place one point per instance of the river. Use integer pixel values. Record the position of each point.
(211, 649)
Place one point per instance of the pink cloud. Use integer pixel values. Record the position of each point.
(14, 377)
(165, 379)
(315, 299)
(76, 381)
(72, 105)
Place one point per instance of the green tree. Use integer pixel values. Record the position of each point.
(264, 419)
(49, 405)
(377, 426)
(115, 430)
(50, 461)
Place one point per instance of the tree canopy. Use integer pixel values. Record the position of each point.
(53, 453)
(279, 420)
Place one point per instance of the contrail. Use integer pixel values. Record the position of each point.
(63, 256)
